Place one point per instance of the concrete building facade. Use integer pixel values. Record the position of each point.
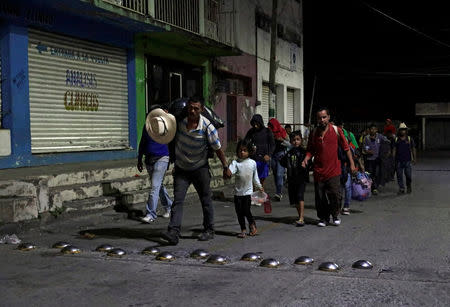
(243, 80)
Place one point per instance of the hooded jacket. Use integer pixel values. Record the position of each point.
(262, 138)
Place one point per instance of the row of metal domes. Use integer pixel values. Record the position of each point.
(67, 248)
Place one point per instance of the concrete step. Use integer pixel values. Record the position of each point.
(94, 203)
(14, 209)
(95, 175)
(61, 194)
(125, 185)
(141, 196)
(14, 188)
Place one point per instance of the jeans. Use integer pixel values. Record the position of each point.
(278, 171)
(328, 198)
(406, 168)
(182, 179)
(348, 191)
(156, 172)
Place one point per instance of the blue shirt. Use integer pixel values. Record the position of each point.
(403, 149)
(374, 145)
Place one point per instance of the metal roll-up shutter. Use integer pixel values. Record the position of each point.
(264, 108)
(290, 106)
(1, 122)
(437, 135)
(78, 94)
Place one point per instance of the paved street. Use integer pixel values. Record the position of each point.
(407, 238)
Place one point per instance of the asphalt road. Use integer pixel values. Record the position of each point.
(407, 238)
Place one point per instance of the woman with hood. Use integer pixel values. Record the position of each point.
(280, 137)
(262, 139)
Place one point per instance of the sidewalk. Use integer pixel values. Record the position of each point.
(70, 224)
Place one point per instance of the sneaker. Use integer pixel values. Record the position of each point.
(408, 189)
(336, 221)
(321, 223)
(206, 235)
(300, 223)
(375, 192)
(401, 191)
(147, 219)
(170, 236)
(277, 197)
(346, 211)
(166, 214)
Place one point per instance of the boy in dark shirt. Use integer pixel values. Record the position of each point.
(404, 154)
(296, 174)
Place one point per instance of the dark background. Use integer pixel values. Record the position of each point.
(369, 67)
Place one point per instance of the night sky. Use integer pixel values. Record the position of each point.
(369, 67)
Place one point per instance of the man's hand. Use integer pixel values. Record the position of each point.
(140, 166)
(353, 168)
(414, 161)
(261, 189)
(226, 173)
(304, 163)
(266, 158)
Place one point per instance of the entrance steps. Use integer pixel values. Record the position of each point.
(29, 193)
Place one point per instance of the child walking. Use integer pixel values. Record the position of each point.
(246, 175)
(296, 174)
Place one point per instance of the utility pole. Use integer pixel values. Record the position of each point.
(273, 57)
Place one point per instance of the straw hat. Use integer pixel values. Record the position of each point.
(161, 126)
(402, 126)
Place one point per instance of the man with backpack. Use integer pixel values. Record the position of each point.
(326, 143)
(372, 144)
(404, 154)
(194, 134)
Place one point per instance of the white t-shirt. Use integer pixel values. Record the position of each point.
(246, 175)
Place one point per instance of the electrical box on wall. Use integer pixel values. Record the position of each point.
(5, 142)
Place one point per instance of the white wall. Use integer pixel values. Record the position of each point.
(285, 77)
(290, 15)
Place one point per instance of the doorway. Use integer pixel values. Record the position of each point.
(169, 80)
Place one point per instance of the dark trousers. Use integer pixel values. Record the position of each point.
(328, 198)
(182, 179)
(373, 167)
(242, 206)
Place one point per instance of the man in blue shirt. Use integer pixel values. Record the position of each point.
(372, 143)
(194, 134)
(404, 154)
(156, 162)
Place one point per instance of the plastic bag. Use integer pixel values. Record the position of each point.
(259, 197)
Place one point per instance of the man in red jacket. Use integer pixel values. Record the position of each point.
(323, 145)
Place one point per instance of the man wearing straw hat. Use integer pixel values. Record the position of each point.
(404, 154)
(153, 145)
(194, 133)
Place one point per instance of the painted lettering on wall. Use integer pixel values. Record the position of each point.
(80, 79)
(81, 101)
(72, 54)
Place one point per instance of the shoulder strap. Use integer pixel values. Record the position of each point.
(336, 130)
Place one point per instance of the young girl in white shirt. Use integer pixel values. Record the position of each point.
(246, 175)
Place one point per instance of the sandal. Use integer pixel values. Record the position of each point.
(253, 230)
(241, 235)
